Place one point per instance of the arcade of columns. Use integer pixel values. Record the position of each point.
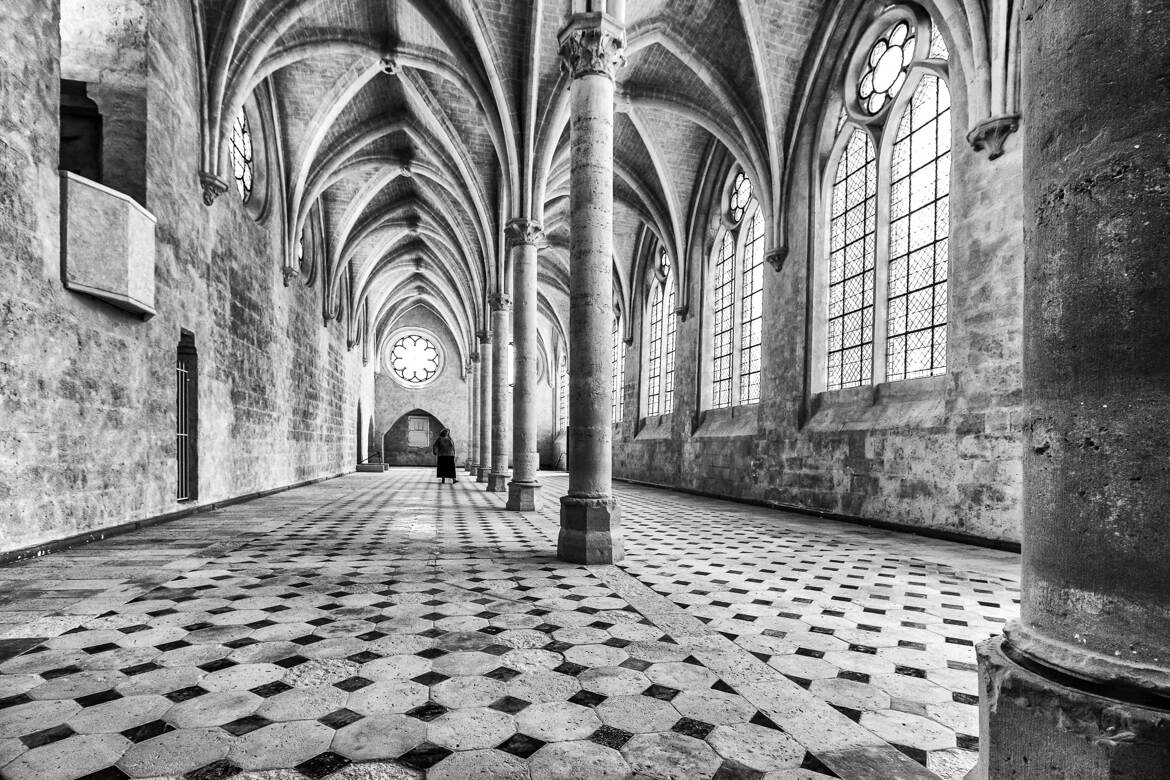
(1081, 684)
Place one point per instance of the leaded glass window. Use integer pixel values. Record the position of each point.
(916, 343)
(563, 393)
(414, 359)
(885, 67)
(741, 195)
(654, 372)
(723, 342)
(242, 157)
(852, 264)
(618, 377)
(671, 328)
(751, 309)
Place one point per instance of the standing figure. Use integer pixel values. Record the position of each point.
(444, 448)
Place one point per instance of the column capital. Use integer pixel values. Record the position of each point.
(500, 302)
(522, 231)
(484, 336)
(473, 357)
(592, 44)
(991, 134)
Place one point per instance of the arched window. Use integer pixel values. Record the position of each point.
(243, 156)
(563, 393)
(663, 324)
(618, 377)
(737, 286)
(891, 159)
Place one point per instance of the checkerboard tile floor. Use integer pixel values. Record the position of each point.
(387, 626)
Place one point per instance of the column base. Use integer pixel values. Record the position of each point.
(1033, 726)
(522, 496)
(497, 483)
(590, 531)
(471, 468)
(481, 473)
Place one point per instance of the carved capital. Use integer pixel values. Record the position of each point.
(213, 187)
(682, 312)
(290, 273)
(776, 257)
(524, 231)
(484, 336)
(500, 302)
(990, 134)
(474, 357)
(592, 44)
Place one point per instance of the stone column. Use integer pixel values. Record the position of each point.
(501, 414)
(524, 235)
(473, 404)
(591, 52)
(1080, 686)
(484, 462)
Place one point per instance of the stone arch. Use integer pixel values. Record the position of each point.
(397, 447)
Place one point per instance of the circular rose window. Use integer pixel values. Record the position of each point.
(884, 71)
(414, 359)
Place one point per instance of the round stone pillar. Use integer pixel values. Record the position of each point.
(523, 236)
(473, 413)
(483, 464)
(1080, 686)
(591, 52)
(501, 413)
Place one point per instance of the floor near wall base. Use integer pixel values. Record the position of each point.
(388, 626)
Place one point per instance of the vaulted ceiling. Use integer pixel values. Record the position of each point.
(415, 129)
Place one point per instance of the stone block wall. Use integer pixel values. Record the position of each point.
(87, 391)
(942, 453)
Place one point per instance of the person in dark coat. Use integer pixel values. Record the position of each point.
(444, 448)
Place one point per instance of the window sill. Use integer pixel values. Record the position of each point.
(657, 427)
(910, 401)
(729, 422)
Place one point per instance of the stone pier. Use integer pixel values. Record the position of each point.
(523, 236)
(484, 460)
(501, 391)
(591, 51)
(1080, 686)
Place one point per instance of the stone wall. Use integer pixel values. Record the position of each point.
(942, 453)
(87, 391)
(446, 398)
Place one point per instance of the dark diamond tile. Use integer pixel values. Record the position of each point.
(53, 674)
(291, 661)
(610, 737)
(47, 736)
(216, 770)
(692, 728)
(722, 687)
(268, 690)
(217, 665)
(431, 652)
(245, 725)
(509, 704)
(814, 764)
(423, 757)
(967, 741)
(637, 664)
(351, 684)
(102, 648)
(587, 698)
(520, 745)
(662, 692)
(176, 645)
(109, 773)
(101, 697)
(427, 712)
(322, 765)
(185, 694)
(502, 673)
(339, 719)
(10, 648)
(364, 657)
(860, 677)
(571, 669)
(14, 701)
(147, 731)
(733, 770)
(430, 678)
(149, 666)
(918, 754)
(760, 719)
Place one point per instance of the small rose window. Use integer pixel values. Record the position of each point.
(884, 71)
(414, 359)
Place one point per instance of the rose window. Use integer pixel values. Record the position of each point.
(414, 359)
(884, 71)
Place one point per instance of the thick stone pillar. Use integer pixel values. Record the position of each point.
(483, 464)
(501, 412)
(473, 413)
(591, 52)
(523, 235)
(1080, 686)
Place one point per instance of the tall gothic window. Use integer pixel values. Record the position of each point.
(663, 324)
(738, 285)
(242, 156)
(618, 376)
(563, 393)
(892, 158)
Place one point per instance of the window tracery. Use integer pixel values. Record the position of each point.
(618, 375)
(888, 211)
(663, 324)
(415, 359)
(242, 156)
